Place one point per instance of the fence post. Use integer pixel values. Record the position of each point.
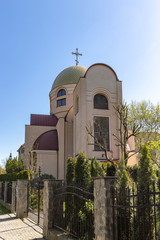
(103, 213)
(48, 205)
(5, 192)
(13, 203)
(22, 199)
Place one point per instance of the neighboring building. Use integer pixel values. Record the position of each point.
(78, 97)
(21, 151)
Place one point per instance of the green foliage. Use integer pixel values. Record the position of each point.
(82, 171)
(133, 172)
(8, 177)
(111, 169)
(146, 172)
(123, 181)
(14, 176)
(47, 176)
(14, 165)
(25, 174)
(70, 176)
(123, 215)
(97, 169)
(146, 177)
(147, 116)
(2, 171)
(4, 210)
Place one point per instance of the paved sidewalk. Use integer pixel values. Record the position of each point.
(12, 228)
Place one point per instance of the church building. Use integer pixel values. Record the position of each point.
(78, 97)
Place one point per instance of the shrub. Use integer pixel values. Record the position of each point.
(47, 176)
(70, 176)
(14, 165)
(97, 169)
(14, 176)
(82, 171)
(111, 169)
(133, 172)
(25, 174)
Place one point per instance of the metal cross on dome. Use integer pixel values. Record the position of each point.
(77, 54)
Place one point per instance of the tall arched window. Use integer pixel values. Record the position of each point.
(100, 102)
(61, 101)
(61, 92)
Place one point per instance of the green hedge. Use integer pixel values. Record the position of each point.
(14, 176)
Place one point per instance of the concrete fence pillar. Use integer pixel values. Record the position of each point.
(103, 211)
(13, 203)
(48, 195)
(5, 191)
(22, 199)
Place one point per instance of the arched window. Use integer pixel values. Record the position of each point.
(100, 102)
(61, 92)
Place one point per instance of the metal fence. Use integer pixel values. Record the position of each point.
(9, 192)
(73, 211)
(2, 190)
(136, 214)
(35, 200)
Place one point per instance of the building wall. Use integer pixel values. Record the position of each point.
(31, 134)
(47, 160)
(98, 79)
(61, 111)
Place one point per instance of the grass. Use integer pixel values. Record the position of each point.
(3, 210)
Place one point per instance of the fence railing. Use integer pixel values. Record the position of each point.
(35, 200)
(136, 214)
(9, 193)
(73, 211)
(2, 190)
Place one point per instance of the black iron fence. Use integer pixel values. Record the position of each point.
(73, 211)
(35, 200)
(9, 192)
(136, 214)
(2, 190)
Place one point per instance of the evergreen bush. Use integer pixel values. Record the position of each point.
(14, 176)
(82, 171)
(70, 175)
(111, 169)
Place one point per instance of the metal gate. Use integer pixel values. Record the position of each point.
(74, 212)
(35, 200)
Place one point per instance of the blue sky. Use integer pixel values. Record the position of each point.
(36, 41)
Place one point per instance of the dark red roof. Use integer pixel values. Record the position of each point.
(47, 141)
(43, 120)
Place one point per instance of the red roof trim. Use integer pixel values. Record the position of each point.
(43, 120)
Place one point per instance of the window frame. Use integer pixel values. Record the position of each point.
(106, 133)
(95, 104)
(61, 92)
(61, 102)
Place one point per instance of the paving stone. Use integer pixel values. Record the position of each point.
(12, 228)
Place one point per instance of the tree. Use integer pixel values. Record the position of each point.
(147, 116)
(146, 178)
(100, 140)
(126, 130)
(14, 165)
(82, 171)
(154, 147)
(70, 175)
(2, 171)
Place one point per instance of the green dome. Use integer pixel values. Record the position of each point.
(68, 76)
